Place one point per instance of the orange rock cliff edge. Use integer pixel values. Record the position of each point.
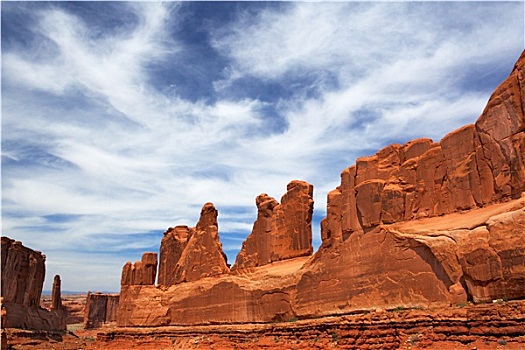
(418, 224)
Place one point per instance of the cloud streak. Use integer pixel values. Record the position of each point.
(107, 141)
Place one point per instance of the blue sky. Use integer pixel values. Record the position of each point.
(122, 119)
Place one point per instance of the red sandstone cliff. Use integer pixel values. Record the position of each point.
(171, 248)
(142, 272)
(23, 273)
(203, 255)
(189, 254)
(417, 224)
(281, 231)
(471, 167)
(475, 166)
(476, 256)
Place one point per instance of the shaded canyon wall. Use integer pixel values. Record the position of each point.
(23, 273)
(100, 309)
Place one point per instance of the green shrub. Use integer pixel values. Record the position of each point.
(335, 337)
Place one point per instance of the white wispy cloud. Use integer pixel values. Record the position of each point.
(401, 61)
(89, 135)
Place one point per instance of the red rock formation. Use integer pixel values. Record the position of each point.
(264, 295)
(465, 170)
(23, 273)
(3, 317)
(100, 309)
(281, 231)
(429, 262)
(486, 326)
(189, 254)
(141, 272)
(471, 167)
(501, 134)
(441, 260)
(414, 225)
(171, 248)
(203, 255)
(56, 298)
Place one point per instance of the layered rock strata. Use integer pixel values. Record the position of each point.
(100, 309)
(414, 225)
(23, 273)
(281, 231)
(499, 325)
(262, 295)
(475, 166)
(429, 262)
